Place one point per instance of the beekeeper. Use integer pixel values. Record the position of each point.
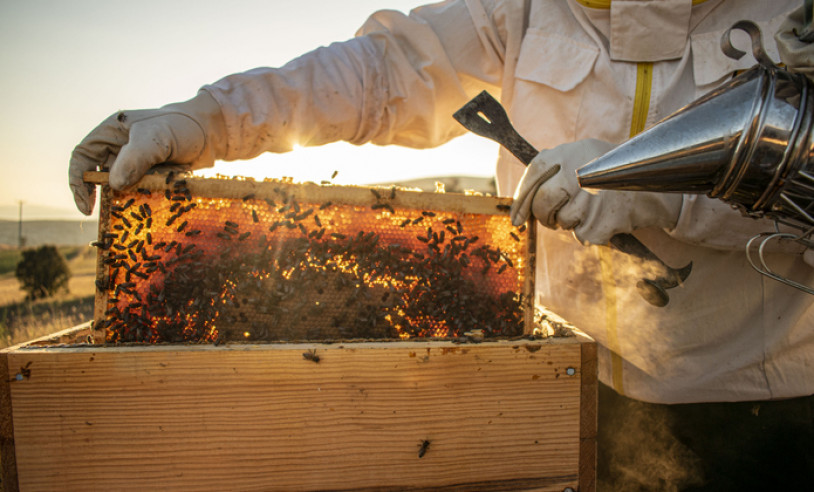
(577, 77)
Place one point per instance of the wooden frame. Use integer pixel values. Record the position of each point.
(507, 415)
(213, 193)
(237, 189)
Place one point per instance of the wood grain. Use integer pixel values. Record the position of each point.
(589, 416)
(102, 271)
(8, 470)
(498, 415)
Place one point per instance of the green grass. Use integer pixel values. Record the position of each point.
(10, 312)
(70, 252)
(10, 257)
(24, 321)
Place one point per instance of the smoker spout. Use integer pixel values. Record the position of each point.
(688, 152)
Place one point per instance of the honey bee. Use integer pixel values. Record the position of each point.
(311, 355)
(423, 447)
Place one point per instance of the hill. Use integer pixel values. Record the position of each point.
(58, 232)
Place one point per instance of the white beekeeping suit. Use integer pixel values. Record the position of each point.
(566, 71)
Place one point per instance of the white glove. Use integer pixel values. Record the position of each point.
(549, 190)
(798, 56)
(129, 143)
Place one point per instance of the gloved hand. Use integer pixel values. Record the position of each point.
(129, 143)
(549, 190)
(798, 56)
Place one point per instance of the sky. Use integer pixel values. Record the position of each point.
(67, 65)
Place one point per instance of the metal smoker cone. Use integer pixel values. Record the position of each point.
(689, 152)
(747, 143)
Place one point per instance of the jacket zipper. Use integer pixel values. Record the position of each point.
(641, 107)
(605, 4)
(641, 98)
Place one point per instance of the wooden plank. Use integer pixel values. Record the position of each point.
(237, 188)
(8, 470)
(102, 272)
(588, 418)
(70, 336)
(498, 415)
(530, 272)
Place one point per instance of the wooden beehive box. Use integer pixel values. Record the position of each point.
(80, 412)
(504, 415)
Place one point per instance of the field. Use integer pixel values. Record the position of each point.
(21, 321)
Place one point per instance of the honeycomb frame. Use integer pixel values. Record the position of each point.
(450, 234)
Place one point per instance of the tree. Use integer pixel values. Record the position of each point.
(42, 272)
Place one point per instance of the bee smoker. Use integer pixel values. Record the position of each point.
(748, 143)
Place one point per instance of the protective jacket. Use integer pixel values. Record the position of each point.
(567, 70)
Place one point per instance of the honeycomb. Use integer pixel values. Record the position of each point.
(215, 260)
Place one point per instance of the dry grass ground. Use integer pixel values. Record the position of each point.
(21, 321)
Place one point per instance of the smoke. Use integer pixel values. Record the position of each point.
(638, 450)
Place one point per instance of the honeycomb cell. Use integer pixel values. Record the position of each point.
(213, 260)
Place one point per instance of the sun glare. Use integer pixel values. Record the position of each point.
(346, 164)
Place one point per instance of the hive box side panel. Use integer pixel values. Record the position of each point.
(8, 470)
(498, 416)
(589, 416)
